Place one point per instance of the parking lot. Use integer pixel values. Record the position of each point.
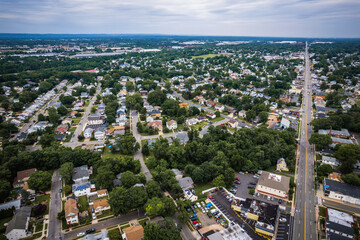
(243, 189)
(284, 227)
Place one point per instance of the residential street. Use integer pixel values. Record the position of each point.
(106, 223)
(305, 219)
(54, 208)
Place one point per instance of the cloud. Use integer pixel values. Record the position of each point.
(216, 17)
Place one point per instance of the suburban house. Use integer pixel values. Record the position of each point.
(186, 183)
(101, 205)
(273, 185)
(88, 132)
(119, 130)
(183, 138)
(71, 210)
(62, 128)
(81, 189)
(178, 174)
(232, 123)
(102, 193)
(211, 115)
(242, 114)
(157, 124)
(191, 121)
(18, 226)
(281, 165)
(330, 160)
(154, 113)
(95, 119)
(219, 108)
(22, 177)
(99, 133)
(172, 124)
(134, 232)
(342, 191)
(81, 174)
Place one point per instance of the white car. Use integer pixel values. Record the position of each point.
(93, 216)
(282, 219)
(80, 234)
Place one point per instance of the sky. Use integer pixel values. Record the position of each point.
(277, 18)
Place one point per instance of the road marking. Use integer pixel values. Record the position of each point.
(305, 220)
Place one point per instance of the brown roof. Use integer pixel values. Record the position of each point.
(23, 174)
(70, 207)
(101, 203)
(101, 191)
(134, 232)
(118, 128)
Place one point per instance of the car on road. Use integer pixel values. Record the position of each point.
(80, 234)
(91, 230)
(282, 220)
(241, 172)
(60, 190)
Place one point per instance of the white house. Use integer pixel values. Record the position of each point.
(330, 160)
(273, 185)
(82, 189)
(171, 124)
(191, 121)
(17, 227)
(99, 133)
(88, 132)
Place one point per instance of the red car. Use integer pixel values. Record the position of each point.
(211, 197)
(198, 227)
(195, 222)
(237, 179)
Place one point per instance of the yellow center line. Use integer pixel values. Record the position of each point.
(305, 220)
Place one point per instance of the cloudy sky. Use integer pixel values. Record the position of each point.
(283, 18)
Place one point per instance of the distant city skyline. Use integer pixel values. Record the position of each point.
(268, 18)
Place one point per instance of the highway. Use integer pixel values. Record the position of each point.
(305, 217)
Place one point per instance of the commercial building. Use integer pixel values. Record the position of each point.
(342, 191)
(273, 185)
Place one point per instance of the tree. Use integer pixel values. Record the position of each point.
(217, 114)
(105, 177)
(324, 170)
(152, 189)
(219, 181)
(251, 191)
(129, 86)
(128, 179)
(141, 178)
(66, 170)
(156, 98)
(4, 189)
(229, 176)
(320, 140)
(119, 200)
(46, 140)
(125, 144)
(170, 107)
(160, 207)
(67, 100)
(163, 230)
(24, 194)
(250, 115)
(351, 178)
(349, 155)
(40, 181)
(145, 150)
(263, 116)
(62, 110)
(54, 117)
(93, 109)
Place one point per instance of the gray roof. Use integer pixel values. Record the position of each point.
(274, 181)
(186, 183)
(343, 131)
(102, 235)
(343, 188)
(176, 171)
(339, 228)
(80, 172)
(15, 203)
(19, 220)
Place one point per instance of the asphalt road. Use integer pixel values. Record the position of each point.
(305, 219)
(34, 118)
(105, 224)
(55, 207)
(241, 123)
(84, 118)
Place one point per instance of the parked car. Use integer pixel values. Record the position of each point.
(93, 216)
(241, 172)
(238, 179)
(195, 215)
(80, 234)
(209, 215)
(211, 197)
(91, 230)
(195, 222)
(188, 209)
(60, 190)
(249, 187)
(282, 220)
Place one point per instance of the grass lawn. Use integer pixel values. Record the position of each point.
(83, 203)
(201, 187)
(322, 211)
(41, 199)
(206, 56)
(4, 220)
(72, 129)
(199, 125)
(114, 234)
(218, 119)
(108, 154)
(38, 226)
(105, 214)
